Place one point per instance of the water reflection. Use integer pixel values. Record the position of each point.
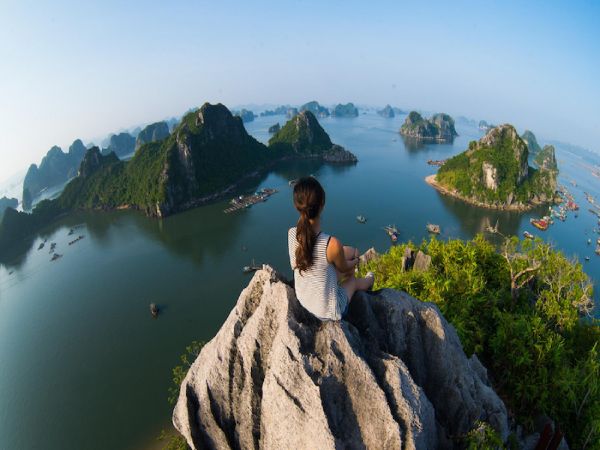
(473, 220)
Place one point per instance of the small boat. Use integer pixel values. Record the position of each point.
(55, 257)
(587, 258)
(71, 231)
(433, 228)
(540, 224)
(392, 232)
(361, 219)
(41, 245)
(528, 235)
(589, 241)
(154, 310)
(251, 268)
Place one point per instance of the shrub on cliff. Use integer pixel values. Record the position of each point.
(520, 310)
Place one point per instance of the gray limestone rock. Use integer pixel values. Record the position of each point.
(392, 375)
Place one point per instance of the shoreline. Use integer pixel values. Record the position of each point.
(431, 180)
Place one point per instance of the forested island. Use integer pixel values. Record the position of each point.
(439, 128)
(205, 157)
(347, 110)
(495, 173)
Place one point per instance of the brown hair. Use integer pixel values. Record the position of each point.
(309, 199)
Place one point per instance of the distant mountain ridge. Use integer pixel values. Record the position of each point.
(56, 167)
(208, 154)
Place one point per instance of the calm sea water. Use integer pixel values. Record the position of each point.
(82, 363)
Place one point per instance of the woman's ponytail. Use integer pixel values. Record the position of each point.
(309, 199)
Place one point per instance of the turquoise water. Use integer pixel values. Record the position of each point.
(83, 364)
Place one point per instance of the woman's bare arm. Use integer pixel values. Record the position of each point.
(337, 257)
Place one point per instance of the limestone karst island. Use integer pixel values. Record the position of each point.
(267, 226)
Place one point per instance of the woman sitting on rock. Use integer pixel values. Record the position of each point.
(323, 267)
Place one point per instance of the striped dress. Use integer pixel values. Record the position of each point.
(317, 288)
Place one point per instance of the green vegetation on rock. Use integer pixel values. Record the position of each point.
(347, 110)
(440, 127)
(315, 108)
(523, 309)
(495, 172)
(301, 135)
(207, 154)
(546, 159)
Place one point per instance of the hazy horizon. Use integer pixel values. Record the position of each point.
(85, 71)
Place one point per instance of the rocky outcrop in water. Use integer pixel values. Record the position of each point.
(387, 112)
(495, 173)
(302, 136)
(315, 108)
(279, 111)
(347, 110)
(274, 128)
(439, 128)
(546, 159)
(392, 375)
(152, 133)
(246, 115)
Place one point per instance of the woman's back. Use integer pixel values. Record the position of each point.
(317, 288)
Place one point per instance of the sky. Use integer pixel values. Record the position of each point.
(73, 69)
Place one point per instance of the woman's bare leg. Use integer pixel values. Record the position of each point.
(353, 284)
(349, 253)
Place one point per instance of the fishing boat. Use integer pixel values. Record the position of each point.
(361, 219)
(392, 232)
(71, 231)
(589, 241)
(540, 224)
(41, 245)
(55, 257)
(433, 228)
(572, 206)
(154, 310)
(587, 258)
(251, 268)
(528, 235)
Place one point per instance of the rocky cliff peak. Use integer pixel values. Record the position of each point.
(392, 375)
(154, 132)
(93, 160)
(505, 138)
(77, 149)
(217, 122)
